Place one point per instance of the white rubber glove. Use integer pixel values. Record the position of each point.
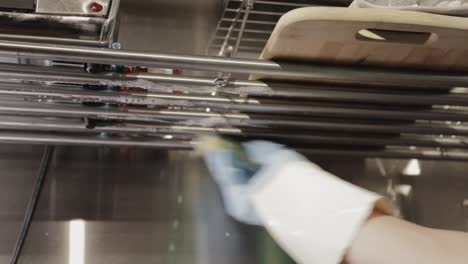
(313, 215)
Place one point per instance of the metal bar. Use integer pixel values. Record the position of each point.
(278, 3)
(145, 99)
(36, 124)
(346, 94)
(64, 92)
(251, 106)
(356, 127)
(254, 12)
(254, 31)
(391, 153)
(64, 41)
(224, 123)
(225, 44)
(248, 10)
(160, 115)
(253, 22)
(344, 3)
(40, 178)
(37, 138)
(111, 113)
(79, 126)
(245, 39)
(109, 56)
(165, 83)
(368, 141)
(242, 48)
(51, 74)
(63, 125)
(257, 22)
(110, 27)
(218, 26)
(320, 73)
(168, 83)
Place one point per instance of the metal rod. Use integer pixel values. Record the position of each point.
(248, 9)
(224, 123)
(277, 3)
(258, 22)
(111, 113)
(368, 141)
(356, 127)
(40, 178)
(202, 119)
(110, 56)
(60, 125)
(167, 83)
(220, 103)
(37, 138)
(218, 26)
(226, 38)
(65, 41)
(111, 25)
(192, 84)
(252, 107)
(344, 3)
(235, 38)
(79, 126)
(391, 153)
(254, 12)
(52, 74)
(133, 98)
(254, 31)
(319, 73)
(242, 48)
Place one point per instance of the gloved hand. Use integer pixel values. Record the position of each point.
(312, 214)
(241, 169)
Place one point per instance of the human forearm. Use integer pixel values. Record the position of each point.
(389, 240)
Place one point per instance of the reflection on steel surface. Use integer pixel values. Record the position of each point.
(73, 7)
(65, 22)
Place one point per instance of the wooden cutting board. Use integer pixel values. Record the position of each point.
(371, 37)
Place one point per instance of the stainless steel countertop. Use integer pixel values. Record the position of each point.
(146, 206)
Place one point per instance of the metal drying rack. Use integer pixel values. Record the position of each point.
(340, 111)
(245, 26)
